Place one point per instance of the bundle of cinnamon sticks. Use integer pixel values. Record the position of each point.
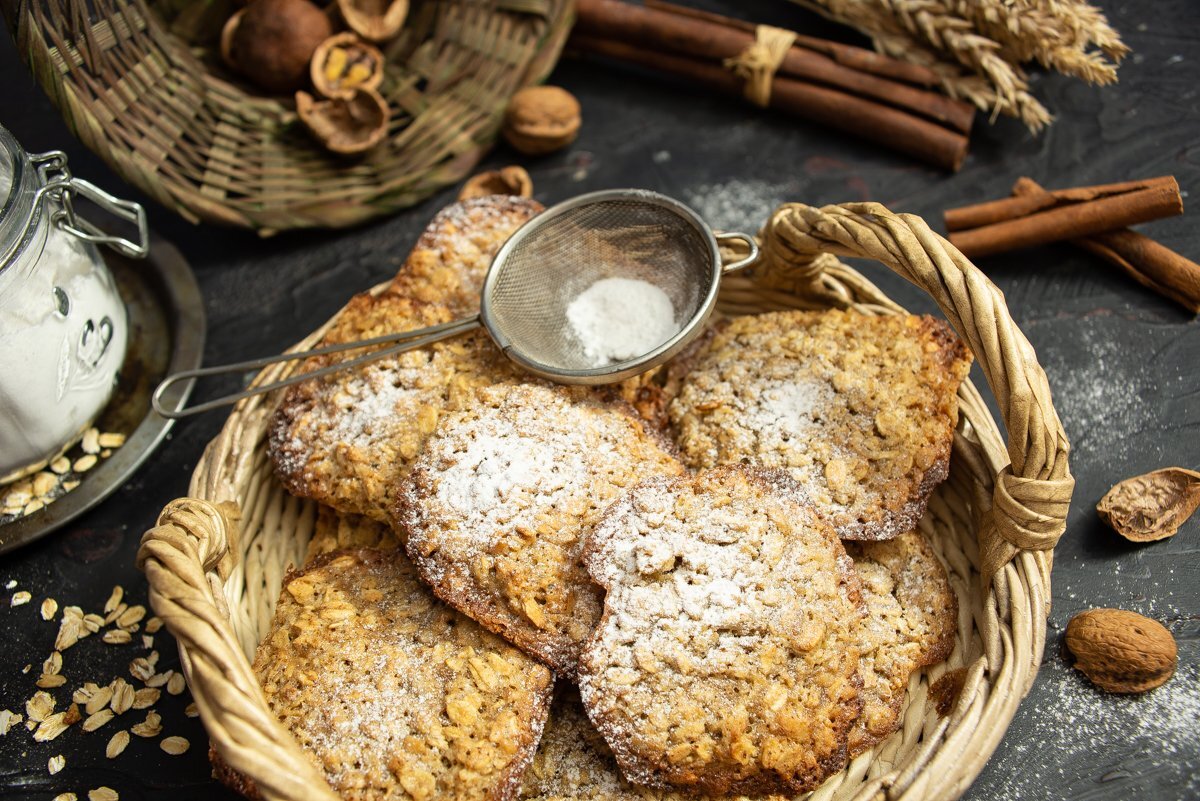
(883, 100)
(1095, 218)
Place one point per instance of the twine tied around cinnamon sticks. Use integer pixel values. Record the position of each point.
(759, 62)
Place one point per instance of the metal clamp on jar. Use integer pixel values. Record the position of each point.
(63, 324)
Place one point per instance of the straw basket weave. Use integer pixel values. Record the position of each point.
(172, 121)
(215, 560)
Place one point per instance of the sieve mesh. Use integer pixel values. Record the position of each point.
(555, 258)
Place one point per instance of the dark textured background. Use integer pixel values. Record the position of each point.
(1122, 362)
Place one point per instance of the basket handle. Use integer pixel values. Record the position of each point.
(1031, 495)
(186, 558)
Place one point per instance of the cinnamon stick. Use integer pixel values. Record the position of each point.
(881, 124)
(858, 58)
(703, 35)
(1026, 201)
(1072, 220)
(1151, 264)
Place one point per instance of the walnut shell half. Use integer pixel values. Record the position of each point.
(1152, 506)
(343, 63)
(1120, 651)
(374, 20)
(346, 126)
(511, 180)
(541, 119)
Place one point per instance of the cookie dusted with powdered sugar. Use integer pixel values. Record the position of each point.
(392, 693)
(726, 659)
(860, 410)
(912, 617)
(496, 505)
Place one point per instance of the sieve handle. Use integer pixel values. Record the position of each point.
(751, 244)
(405, 341)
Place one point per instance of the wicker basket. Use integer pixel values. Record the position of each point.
(173, 122)
(215, 560)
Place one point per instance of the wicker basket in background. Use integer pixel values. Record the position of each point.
(171, 120)
(216, 559)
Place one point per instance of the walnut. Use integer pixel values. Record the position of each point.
(375, 20)
(512, 180)
(272, 41)
(345, 126)
(541, 119)
(343, 63)
(1121, 652)
(1153, 506)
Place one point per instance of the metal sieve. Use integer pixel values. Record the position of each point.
(544, 265)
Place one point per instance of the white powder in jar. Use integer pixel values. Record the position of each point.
(616, 319)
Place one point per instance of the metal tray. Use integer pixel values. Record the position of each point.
(166, 334)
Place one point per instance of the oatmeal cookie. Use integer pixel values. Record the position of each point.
(495, 507)
(726, 659)
(859, 409)
(335, 531)
(392, 693)
(912, 617)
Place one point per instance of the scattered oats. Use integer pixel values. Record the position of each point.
(98, 700)
(8, 719)
(61, 465)
(123, 696)
(146, 697)
(85, 693)
(49, 609)
(56, 764)
(117, 744)
(53, 663)
(132, 615)
(27, 668)
(115, 613)
(91, 441)
(107, 452)
(84, 463)
(51, 727)
(39, 706)
(153, 625)
(18, 497)
(103, 794)
(21, 598)
(73, 611)
(70, 485)
(11, 583)
(48, 681)
(152, 658)
(175, 745)
(176, 684)
(44, 483)
(159, 679)
(68, 632)
(191, 710)
(150, 727)
(66, 797)
(93, 623)
(117, 636)
(31, 725)
(147, 641)
(111, 440)
(114, 599)
(141, 669)
(97, 720)
(72, 715)
(36, 505)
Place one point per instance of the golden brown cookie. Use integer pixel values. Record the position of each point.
(335, 531)
(726, 660)
(496, 505)
(393, 694)
(860, 410)
(912, 617)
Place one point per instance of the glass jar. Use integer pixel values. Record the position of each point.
(63, 325)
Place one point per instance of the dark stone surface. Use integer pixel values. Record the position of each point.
(1123, 364)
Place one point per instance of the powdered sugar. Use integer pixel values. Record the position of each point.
(616, 319)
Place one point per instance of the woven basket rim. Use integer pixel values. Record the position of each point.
(1015, 518)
